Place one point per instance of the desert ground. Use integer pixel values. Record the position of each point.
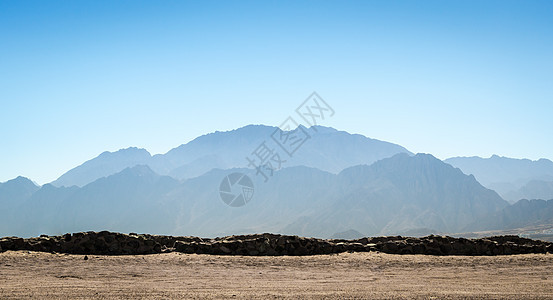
(25, 274)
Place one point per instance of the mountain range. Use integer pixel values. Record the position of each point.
(325, 148)
(390, 196)
(335, 185)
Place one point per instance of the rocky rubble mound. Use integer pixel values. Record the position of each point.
(445, 245)
(111, 243)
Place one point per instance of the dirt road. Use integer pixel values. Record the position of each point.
(26, 274)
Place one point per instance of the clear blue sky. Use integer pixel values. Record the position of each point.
(451, 78)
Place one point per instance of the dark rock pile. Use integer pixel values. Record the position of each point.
(445, 245)
(270, 244)
(103, 242)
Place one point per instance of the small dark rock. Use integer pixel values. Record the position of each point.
(67, 237)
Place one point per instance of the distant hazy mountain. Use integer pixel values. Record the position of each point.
(43, 212)
(335, 185)
(399, 194)
(502, 174)
(521, 214)
(351, 234)
(325, 148)
(126, 201)
(12, 194)
(291, 193)
(107, 163)
(139, 200)
(402, 194)
(16, 190)
(534, 189)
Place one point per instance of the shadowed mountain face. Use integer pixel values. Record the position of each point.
(505, 175)
(325, 148)
(394, 195)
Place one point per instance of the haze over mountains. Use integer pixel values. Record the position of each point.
(394, 195)
(513, 179)
(327, 149)
(337, 184)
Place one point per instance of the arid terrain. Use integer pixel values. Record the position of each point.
(25, 274)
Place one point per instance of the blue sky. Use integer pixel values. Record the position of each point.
(451, 78)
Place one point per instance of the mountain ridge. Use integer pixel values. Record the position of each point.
(229, 149)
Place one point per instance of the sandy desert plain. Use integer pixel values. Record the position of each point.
(28, 274)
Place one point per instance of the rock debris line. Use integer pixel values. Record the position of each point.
(110, 243)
